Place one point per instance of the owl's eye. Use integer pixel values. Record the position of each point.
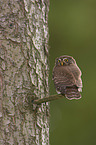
(66, 59)
(58, 61)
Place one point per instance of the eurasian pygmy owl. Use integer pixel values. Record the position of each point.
(67, 77)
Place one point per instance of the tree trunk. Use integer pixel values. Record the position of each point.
(24, 72)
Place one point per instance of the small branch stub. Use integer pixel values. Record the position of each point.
(47, 99)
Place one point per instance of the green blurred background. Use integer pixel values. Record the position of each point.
(72, 29)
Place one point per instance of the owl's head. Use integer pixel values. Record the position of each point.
(65, 60)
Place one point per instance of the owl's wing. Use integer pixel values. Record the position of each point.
(77, 75)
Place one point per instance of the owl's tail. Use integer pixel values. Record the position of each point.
(72, 93)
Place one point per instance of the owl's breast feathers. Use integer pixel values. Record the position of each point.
(67, 80)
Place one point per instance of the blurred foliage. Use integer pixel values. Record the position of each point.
(72, 29)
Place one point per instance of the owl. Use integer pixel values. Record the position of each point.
(67, 77)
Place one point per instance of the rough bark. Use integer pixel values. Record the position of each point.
(24, 72)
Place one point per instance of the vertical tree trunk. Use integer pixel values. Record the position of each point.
(24, 72)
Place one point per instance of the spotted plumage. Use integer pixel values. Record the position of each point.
(67, 77)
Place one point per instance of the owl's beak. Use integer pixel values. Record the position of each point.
(62, 63)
